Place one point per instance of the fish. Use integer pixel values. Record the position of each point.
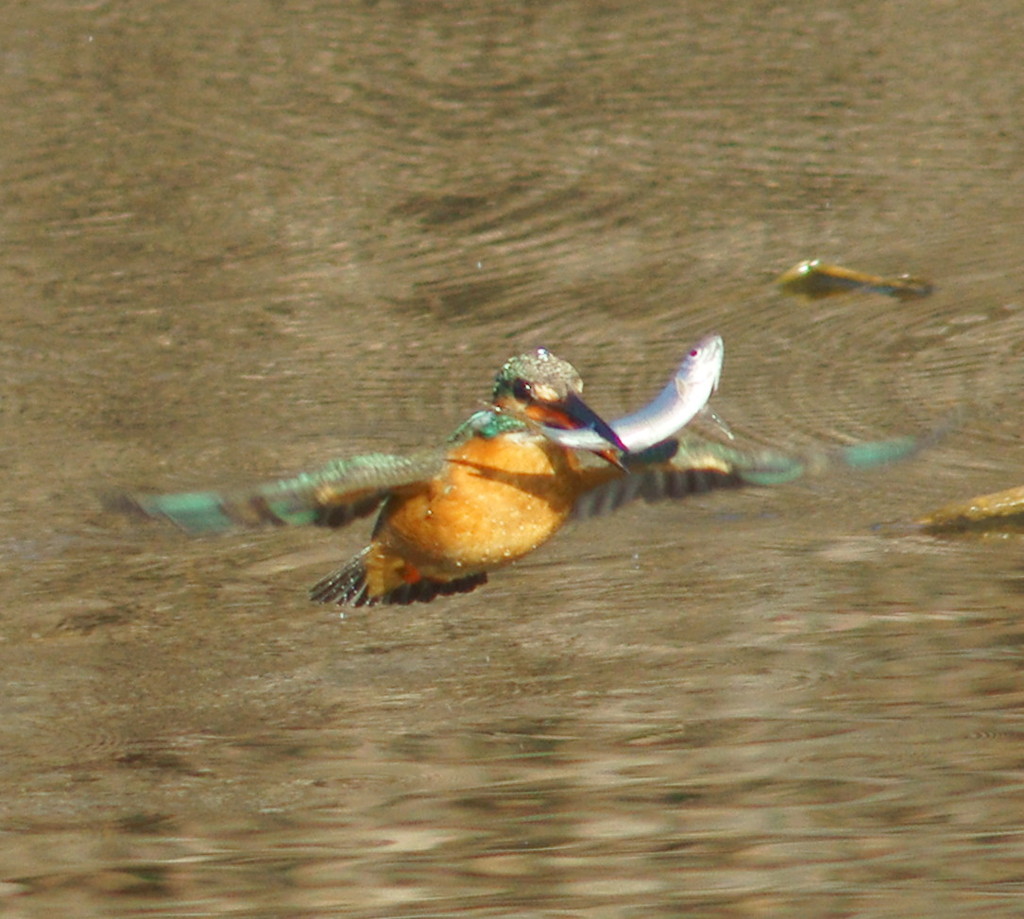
(684, 397)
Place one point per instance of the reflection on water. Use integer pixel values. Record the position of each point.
(241, 239)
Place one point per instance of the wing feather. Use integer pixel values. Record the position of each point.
(333, 495)
(690, 465)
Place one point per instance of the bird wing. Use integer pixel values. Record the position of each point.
(691, 465)
(333, 495)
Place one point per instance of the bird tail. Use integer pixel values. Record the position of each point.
(346, 586)
(367, 580)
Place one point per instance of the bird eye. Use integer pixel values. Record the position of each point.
(522, 390)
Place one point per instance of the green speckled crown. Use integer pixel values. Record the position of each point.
(539, 368)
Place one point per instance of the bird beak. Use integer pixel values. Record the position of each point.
(573, 413)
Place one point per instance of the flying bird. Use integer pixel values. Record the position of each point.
(509, 478)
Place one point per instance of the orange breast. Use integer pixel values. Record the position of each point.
(497, 500)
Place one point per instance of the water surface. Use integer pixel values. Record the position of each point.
(241, 239)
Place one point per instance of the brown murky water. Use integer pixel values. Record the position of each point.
(241, 238)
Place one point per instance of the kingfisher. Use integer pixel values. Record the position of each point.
(509, 478)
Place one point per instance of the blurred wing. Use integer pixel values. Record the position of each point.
(691, 465)
(331, 496)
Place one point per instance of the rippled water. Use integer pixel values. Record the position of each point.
(239, 239)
